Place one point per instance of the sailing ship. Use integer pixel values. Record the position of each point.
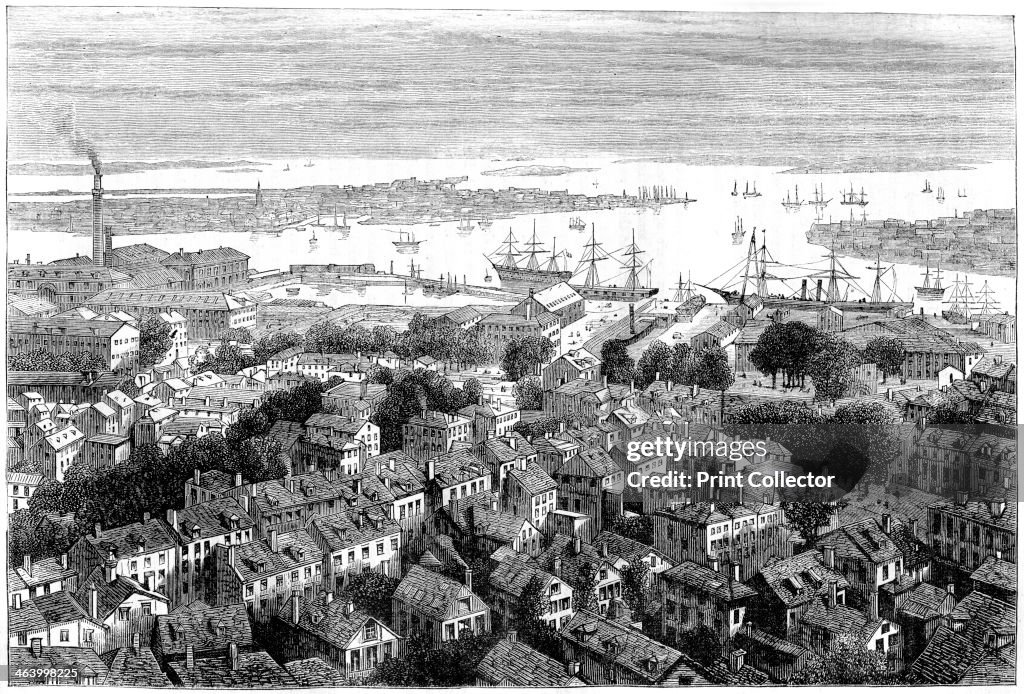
(794, 203)
(737, 232)
(577, 224)
(484, 224)
(309, 163)
(593, 289)
(735, 190)
(961, 193)
(819, 200)
(465, 225)
(989, 306)
(406, 243)
(684, 292)
(929, 291)
(748, 193)
(851, 198)
(287, 168)
(960, 302)
(530, 275)
(927, 186)
(776, 282)
(941, 195)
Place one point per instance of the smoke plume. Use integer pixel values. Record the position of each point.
(67, 126)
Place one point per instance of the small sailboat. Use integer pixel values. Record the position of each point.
(309, 163)
(961, 193)
(465, 225)
(487, 276)
(287, 168)
(484, 224)
(748, 193)
(793, 203)
(940, 196)
(577, 224)
(735, 191)
(927, 186)
(737, 231)
(851, 198)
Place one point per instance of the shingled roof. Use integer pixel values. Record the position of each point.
(333, 621)
(514, 664)
(628, 648)
(800, 578)
(705, 580)
(203, 627)
(314, 672)
(133, 667)
(255, 670)
(430, 593)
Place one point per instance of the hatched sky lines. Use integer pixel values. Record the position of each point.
(402, 84)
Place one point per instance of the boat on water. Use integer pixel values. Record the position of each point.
(287, 168)
(465, 225)
(852, 198)
(406, 243)
(793, 203)
(735, 190)
(751, 193)
(517, 276)
(577, 224)
(819, 200)
(961, 302)
(782, 285)
(738, 231)
(940, 196)
(309, 163)
(929, 291)
(484, 224)
(632, 289)
(488, 277)
(961, 193)
(684, 292)
(927, 186)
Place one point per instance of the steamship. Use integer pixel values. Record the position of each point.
(773, 281)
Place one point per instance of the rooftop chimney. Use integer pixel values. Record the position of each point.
(233, 660)
(94, 602)
(294, 603)
(832, 597)
(577, 544)
(512, 635)
(26, 564)
(468, 579)
(99, 243)
(830, 556)
(572, 668)
(190, 657)
(886, 523)
(736, 660)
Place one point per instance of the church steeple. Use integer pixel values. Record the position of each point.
(259, 195)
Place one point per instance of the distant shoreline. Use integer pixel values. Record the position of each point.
(536, 170)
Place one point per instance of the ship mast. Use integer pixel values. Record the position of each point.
(989, 305)
(876, 290)
(632, 250)
(591, 255)
(508, 257)
(751, 256)
(553, 263)
(533, 243)
(762, 282)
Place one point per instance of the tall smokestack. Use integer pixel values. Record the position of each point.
(99, 243)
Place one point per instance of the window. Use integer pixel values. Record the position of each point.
(65, 636)
(880, 644)
(604, 574)
(370, 632)
(147, 608)
(122, 614)
(394, 544)
(380, 548)
(366, 552)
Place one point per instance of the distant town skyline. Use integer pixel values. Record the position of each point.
(155, 84)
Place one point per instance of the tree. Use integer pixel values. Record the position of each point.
(267, 346)
(682, 358)
(528, 619)
(769, 355)
(866, 441)
(472, 391)
(656, 362)
(617, 365)
(802, 342)
(809, 516)
(635, 578)
(639, 528)
(790, 422)
(45, 360)
(711, 370)
(522, 356)
(584, 587)
(383, 338)
(380, 375)
(700, 643)
(453, 664)
(847, 662)
(371, 592)
(539, 427)
(888, 353)
(155, 340)
(528, 392)
(229, 358)
(831, 368)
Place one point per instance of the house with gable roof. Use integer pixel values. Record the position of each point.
(511, 663)
(437, 606)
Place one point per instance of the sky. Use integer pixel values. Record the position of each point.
(181, 83)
